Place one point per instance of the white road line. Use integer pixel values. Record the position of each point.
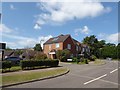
(113, 70)
(119, 67)
(95, 79)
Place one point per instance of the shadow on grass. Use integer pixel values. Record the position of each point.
(43, 67)
(18, 68)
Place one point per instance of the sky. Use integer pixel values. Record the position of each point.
(26, 23)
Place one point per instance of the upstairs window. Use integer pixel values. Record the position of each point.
(69, 46)
(76, 48)
(57, 45)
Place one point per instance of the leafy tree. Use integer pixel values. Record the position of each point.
(109, 51)
(40, 56)
(118, 51)
(18, 52)
(38, 47)
(8, 48)
(94, 44)
(63, 54)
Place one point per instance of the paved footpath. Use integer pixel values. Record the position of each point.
(81, 76)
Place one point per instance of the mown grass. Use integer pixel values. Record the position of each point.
(12, 69)
(17, 78)
(99, 62)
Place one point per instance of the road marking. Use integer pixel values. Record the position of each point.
(119, 67)
(95, 79)
(113, 70)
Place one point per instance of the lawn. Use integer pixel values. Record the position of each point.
(17, 78)
(99, 62)
(12, 69)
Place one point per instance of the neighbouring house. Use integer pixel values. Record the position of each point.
(62, 42)
(28, 54)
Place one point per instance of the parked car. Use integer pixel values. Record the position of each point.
(14, 60)
(109, 58)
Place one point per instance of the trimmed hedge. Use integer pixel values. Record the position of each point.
(6, 64)
(35, 63)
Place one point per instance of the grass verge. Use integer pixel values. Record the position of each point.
(12, 69)
(99, 62)
(26, 76)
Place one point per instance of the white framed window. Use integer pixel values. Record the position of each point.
(76, 48)
(69, 46)
(57, 45)
(83, 49)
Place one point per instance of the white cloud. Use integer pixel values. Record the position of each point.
(84, 30)
(5, 29)
(37, 26)
(60, 12)
(110, 38)
(21, 41)
(43, 39)
(12, 7)
(18, 41)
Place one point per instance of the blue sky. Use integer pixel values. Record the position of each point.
(25, 24)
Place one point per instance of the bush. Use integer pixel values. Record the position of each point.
(62, 55)
(40, 56)
(93, 57)
(75, 59)
(35, 63)
(6, 64)
(86, 61)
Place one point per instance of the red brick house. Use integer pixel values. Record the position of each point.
(62, 42)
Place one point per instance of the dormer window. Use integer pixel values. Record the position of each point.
(55, 39)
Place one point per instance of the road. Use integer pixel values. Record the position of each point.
(81, 76)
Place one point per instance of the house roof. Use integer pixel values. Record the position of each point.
(29, 53)
(8, 53)
(60, 38)
(76, 42)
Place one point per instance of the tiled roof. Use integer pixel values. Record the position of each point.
(60, 38)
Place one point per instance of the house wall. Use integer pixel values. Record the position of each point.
(62, 46)
(46, 49)
(73, 46)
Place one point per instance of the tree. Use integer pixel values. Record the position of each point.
(40, 56)
(94, 44)
(62, 55)
(18, 52)
(8, 48)
(118, 51)
(38, 47)
(109, 50)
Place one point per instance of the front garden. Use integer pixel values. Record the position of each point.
(7, 66)
(31, 75)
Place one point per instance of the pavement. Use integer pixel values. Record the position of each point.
(81, 76)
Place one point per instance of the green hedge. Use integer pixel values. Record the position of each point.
(35, 63)
(6, 64)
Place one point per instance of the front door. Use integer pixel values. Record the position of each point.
(54, 56)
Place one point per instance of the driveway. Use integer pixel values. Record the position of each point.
(81, 76)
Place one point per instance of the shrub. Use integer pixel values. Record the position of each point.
(35, 63)
(93, 57)
(6, 64)
(40, 56)
(62, 55)
(86, 61)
